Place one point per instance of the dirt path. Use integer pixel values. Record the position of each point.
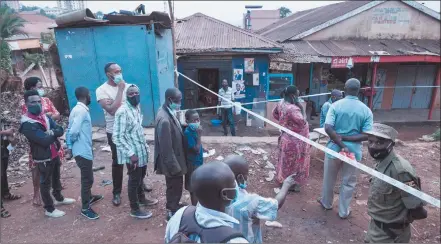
(303, 219)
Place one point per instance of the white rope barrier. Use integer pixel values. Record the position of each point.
(421, 195)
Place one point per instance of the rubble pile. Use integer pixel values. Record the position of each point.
(10, 113)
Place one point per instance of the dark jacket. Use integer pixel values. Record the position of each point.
(39, 140)
(170, 159)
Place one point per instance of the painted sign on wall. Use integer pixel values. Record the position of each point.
(391, 16)
(339, 62)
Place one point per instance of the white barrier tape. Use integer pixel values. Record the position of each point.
(421, 195)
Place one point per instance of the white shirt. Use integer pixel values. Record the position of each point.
(106, 91)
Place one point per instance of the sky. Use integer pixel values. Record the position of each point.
(228, 11)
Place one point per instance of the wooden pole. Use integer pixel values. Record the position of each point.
(175, 62)
(434, 94)
(374, 79)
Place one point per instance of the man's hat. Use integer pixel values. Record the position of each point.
(383, 131)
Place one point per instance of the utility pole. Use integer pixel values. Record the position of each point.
(172, 25)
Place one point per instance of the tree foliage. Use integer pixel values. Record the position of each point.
(5, 58)
(10, 25)
(28, 8)
(50, 16)
(284, 11)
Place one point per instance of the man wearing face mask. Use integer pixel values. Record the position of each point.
(110, 96)
(250, 208)
(335, 96)
(215, 188)
(391, 209)
(132, 149)
(79, 142)
(170, 158)
(43, 133)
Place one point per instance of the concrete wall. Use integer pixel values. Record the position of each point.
(389, 20)
(263, 18)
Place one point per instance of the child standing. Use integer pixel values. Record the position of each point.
(193, 147)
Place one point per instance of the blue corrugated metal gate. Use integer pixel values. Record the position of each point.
(413, 75)
(84, 52)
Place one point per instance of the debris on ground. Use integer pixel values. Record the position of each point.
(276, 190)
(209, 154)
(238, 153)
(220, 158)
(274, 224)
(271, 175)
(269, 165)
(106, 182)
(106, 149)
(244, 148)
(94, 169)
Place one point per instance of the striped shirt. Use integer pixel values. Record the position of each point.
(128, 135)
(249, 209)
(227, 95)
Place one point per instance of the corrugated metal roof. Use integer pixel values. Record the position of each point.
(36, 24)
(307, 51)
(201, 33)
(305, 20)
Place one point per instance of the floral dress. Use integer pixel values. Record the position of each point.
(47, 107)
(294, 154)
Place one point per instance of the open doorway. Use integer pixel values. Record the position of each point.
(208, 78)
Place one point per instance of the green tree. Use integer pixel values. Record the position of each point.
(28, 8)
(284, 11)
(10, 25)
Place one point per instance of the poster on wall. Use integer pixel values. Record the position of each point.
(238, 89)
(255, 79)
(249, 65)
(237, 74)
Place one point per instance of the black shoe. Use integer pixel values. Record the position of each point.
(89, 213)
(116, 200)
(169, 214)
(95, 198)
(139, 214)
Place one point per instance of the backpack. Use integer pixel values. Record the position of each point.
(189, 226)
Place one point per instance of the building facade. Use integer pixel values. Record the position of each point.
(71, 5)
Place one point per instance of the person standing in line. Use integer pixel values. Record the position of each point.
(110, 96)
(346, 121)
(227, 109)
(43, 133)
(194, 149)
(79, 144)
(250, 208)
(35, 83)
(335, 96)
(8, 141)
(294, 154)
(214, 186)
(170, 158)
(132, 150)
(391, 209)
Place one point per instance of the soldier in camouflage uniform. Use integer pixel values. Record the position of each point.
(391, 209)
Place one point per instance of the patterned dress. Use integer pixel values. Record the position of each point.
(47, 107)
(294, 154)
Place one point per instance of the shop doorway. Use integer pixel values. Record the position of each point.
(208, 78)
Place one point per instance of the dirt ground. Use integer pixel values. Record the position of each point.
(303, 220)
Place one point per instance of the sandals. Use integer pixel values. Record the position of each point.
(11, 197)
(5, 213)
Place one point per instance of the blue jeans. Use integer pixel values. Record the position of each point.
(227, 117)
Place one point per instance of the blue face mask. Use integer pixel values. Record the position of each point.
(243, 185)
(117, 78)
(175, 106)
(40, 92)
(194, 126)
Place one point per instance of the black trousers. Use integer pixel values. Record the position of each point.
(85, 166)
(50, 176)
(5, 185)
(134, 186)
(174, 192)
(117, 169)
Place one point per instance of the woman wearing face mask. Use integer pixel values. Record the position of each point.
(35, 83)
(294, 154)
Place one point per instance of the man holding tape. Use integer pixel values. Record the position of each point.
(345, 123)
(391, 209)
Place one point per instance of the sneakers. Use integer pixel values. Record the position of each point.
(89, 213)
(66, 201)
(95, 198)
(139, 214)
(55, 214)
(148, 202)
